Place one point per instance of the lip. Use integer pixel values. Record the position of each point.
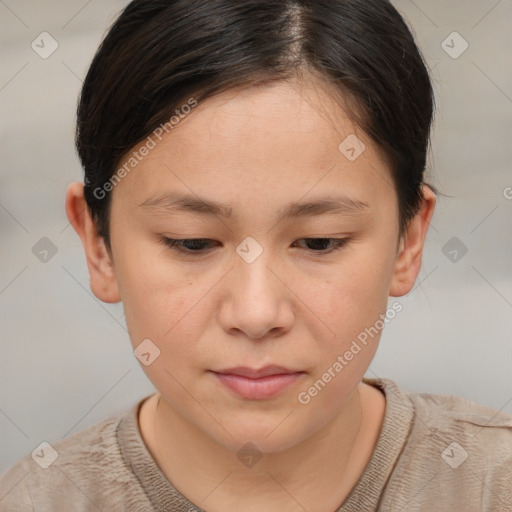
(244, 371)
(257, 384)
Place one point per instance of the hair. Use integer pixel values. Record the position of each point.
(158, 53)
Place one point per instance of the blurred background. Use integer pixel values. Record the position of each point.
(66, 361)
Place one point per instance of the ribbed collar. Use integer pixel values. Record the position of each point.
(364, 496)
(394, 432)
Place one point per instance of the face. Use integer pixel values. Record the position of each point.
(258, 291)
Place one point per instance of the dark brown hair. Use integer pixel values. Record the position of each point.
(158, 53)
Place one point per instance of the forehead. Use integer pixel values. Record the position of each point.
(261, 146)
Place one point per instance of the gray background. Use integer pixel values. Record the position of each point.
(66, 360)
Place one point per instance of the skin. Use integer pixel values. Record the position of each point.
(257, 150)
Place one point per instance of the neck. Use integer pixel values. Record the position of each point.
(327, 463)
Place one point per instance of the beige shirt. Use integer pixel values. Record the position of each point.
(435, 453)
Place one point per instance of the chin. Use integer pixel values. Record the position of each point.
(260, 440)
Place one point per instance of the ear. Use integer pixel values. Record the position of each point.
(99, 261)
(408, 262)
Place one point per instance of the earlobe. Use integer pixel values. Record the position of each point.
(408, 262)
(103, 280)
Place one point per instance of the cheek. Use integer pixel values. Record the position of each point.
(156, 295)
(354, 295)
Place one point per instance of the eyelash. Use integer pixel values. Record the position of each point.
(174, 244)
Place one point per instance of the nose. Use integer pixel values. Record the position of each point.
(257, 301)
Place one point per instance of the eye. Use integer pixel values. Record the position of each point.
(196, 246)
(335, 244)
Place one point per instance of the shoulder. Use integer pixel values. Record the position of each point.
(486, 432)
(457, 453)
(83, 471)
(454, 416)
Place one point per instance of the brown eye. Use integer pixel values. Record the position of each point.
(197, 246)
(191, 246)
(321, 245)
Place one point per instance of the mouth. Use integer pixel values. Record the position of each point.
(244, 371)
(258, 384)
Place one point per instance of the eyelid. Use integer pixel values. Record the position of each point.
(174, 244)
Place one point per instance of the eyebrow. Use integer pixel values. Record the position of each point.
(175, 202)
